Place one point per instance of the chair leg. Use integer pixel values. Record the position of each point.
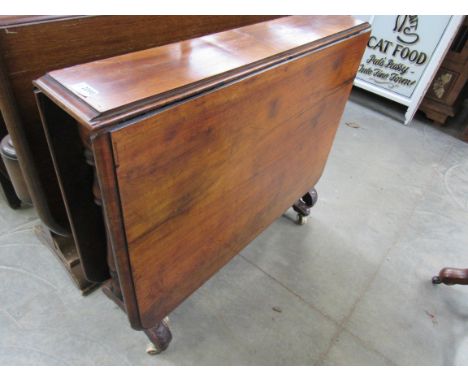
(451, 276)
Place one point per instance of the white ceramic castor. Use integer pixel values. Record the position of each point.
(166, 321)
(152, 349)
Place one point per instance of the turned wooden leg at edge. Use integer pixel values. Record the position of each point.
(160, 336)
(451, 276)
(304, 204)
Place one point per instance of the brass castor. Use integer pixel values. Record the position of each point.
(301, 219)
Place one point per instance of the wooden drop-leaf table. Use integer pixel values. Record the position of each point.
(197, 147)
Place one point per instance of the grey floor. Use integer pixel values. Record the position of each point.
(350, 288)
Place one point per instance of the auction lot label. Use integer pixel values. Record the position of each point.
(399, 49)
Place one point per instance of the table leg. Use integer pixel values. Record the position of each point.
(160, 336)
(451, 276)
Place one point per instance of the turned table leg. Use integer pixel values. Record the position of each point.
(451, 276)
(304, 204)
(160, 336)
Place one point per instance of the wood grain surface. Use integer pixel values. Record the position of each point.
(200, 145)
(202, 179)
(31, 46)
(110, 84)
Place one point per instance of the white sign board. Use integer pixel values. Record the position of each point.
(403, 55)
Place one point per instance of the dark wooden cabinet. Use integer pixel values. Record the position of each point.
(446, 91)
(193, 149)
(31, 46)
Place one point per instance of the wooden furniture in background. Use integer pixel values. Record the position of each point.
(451, 276)
(5, 182)
(192, 149)
(464, 132)
(12, 168)
(446, 92)
(30, 46)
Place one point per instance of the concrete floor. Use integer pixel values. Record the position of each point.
(352, 287)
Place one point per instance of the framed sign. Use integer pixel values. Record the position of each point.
(403, 55)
